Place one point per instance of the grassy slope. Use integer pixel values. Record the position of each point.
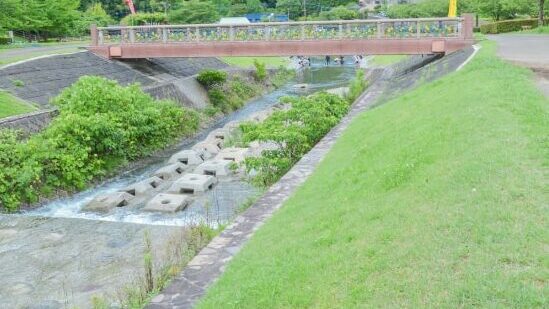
(33, 54)
(435, 199)
(10, 105)
(538, 30)
(246, 62)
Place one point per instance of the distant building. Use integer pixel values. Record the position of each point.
(233, 21)
(259, 17)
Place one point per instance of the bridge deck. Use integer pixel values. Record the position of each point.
(399, 36)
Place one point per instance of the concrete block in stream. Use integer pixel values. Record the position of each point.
(215, 168)
(192, 184)
(143, 187)
(234, 154)
(210, 147)
(220, 133)
(108, 201)
(188, 157)
(165, 202)
(171, 171)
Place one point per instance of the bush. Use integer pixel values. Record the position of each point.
(357, 86)
(4, 41)
(260, 71)
(140, 19)
(294, 131)
(218, 99)
(338, 13)
(508, 26)
(212, 78)
(100, 126)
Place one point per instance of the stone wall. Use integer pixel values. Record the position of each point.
(29, 123)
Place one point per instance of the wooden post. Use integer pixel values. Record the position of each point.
(418, 29)
(340, 31)
(231, 33)
(197, 32)
(100, 37)
(378, 30)
(302, 32)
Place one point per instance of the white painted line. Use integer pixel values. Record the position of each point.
(476, 49)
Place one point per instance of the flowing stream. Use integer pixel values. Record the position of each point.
(220, 204)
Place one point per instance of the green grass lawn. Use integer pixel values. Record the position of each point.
(437, 199)
(247, 62)
(385, 60)
(29, 55)
(538, 30)
(10, 105)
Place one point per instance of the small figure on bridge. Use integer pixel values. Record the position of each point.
(327, 60)
(341, 60)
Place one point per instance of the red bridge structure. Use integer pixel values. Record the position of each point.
(351, 37)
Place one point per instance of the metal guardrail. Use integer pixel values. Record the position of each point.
(282, 31)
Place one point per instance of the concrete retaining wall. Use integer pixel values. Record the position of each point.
(29, 123)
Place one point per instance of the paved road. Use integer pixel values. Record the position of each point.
(531, 51)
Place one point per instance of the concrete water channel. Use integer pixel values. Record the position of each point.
(59, 255)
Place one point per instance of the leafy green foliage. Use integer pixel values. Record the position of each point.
(212, 78)
(260, 70)
(94, 14)
(194, 12)
(294, 131)
(144, 18)
(357, 86)
(101, 125)
(339, 12)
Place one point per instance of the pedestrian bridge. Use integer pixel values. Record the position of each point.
(352, 37)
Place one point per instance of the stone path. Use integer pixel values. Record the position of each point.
(189, 286)
(531, 51)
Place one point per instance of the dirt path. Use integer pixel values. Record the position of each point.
(531, 51)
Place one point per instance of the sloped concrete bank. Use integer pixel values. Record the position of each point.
(191, 285)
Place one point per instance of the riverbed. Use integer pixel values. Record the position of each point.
(59, 256)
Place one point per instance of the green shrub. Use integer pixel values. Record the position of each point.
(338, 13)
(100, 126)
(294, 131)
(140, 19)
(508, 26)
(18, 83)
(357, 86)
(218, 99)
(260, 71)
(212, 78)
(4, 41)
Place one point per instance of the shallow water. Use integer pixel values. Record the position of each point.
(220, 204)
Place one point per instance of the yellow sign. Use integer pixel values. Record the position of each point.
(452, 10)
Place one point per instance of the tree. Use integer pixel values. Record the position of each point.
(504, 9)
(339, 12)
(194, 12)
(10, 14)
(541, 9)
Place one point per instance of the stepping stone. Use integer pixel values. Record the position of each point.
(232, 125)
(108, 201)
(165, 202)
(218, 134)
(188, 157)
(211, 147)
(215, 168)
(237, 155)
(192, 183)
(171, 171)
(143, 187)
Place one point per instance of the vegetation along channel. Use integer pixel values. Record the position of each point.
(189, 154)
(93, 245)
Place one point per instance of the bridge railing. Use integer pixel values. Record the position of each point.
(285, 31)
